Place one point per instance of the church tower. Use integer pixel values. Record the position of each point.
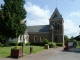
(57, 21)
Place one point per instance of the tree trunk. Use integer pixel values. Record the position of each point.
(6, 42)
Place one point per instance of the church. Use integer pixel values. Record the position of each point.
(54, 32)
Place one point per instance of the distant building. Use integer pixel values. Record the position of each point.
(77, 38)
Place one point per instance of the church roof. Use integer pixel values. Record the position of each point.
(55, 14)
(39, 28)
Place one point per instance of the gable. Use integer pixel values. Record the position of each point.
(56, 14)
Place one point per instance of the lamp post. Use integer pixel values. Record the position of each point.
(23, 22)
(52, 31)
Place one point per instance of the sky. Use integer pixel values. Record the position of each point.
(39, 12)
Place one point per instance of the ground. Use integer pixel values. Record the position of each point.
(51, 54)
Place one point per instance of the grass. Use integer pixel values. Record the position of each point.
(5, 51)
(78, 46)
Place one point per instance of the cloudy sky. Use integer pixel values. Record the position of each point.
(39, 12)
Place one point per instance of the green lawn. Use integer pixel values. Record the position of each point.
(5, 51)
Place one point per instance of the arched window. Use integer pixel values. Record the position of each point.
(58, 27)
(35, 39)
(55, 26)
(41, 39)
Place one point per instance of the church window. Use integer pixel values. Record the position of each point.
(41, 39)
(58, 27)
(55, 26)
(55, 39)
(35, 39)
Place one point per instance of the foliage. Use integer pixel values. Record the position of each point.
(20, 43)
(46, 44)
(45, 41)
(59, 44)
(11, 13)
(17, 47)
(2, 39)
(66, 38)
(13, 43)
(37, 44)
(1, 45)
(78, 43)
(28, 43)
(52, 44)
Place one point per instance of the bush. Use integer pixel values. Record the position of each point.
(1, 45)
(13, 43)
(59, 44)
(28, 43)
(45, 41)
(78, 42)
(17, 47)
(52, 44)
(20, 44)
(37, 44)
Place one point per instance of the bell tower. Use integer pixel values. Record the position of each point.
(57, 21)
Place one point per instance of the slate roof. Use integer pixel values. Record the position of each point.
(38, 28)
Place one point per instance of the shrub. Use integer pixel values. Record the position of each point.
(45, 41)
(28, 43)
(20, 44)
(17, 47)
(78, 42)
(37, 44)
(1, 45)
(52, 44)
(59, 44)
(13, 43)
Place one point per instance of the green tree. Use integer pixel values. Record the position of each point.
(11, 13)
(71, 38)
(66, 37)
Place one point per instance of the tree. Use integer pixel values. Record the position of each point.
(11, 13)
(66, 37)
(72, 38)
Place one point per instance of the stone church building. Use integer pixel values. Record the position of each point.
(54, 32)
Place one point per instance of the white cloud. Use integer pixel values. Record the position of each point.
(70, 28)
(71, 24)
(74, 14)
(40, 16)
(37, 15)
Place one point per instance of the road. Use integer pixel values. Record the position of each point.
(64, 55)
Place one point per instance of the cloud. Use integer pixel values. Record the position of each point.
(70, 28)
(40, 16)
(36, 15)
(71, 23)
